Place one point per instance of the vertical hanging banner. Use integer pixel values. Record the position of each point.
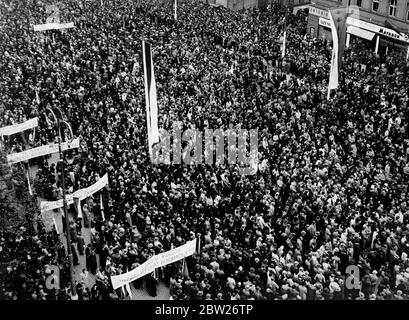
(55, 224)
(198, 243)
(284, 44)
(30, 191)
(150, 96)
(77, 202)
(338, 17)
(176, 10)
(338, 24)
(101, 204)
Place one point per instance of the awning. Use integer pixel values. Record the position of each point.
(392, 26)
(368, 35)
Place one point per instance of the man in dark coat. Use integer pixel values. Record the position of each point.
(93, 262)
(80, 245)
(151, 285)
(74, 255)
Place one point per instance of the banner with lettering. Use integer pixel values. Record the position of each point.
(53, 26)
(41, 151)
(156, 261)
(80, 194)
(20, 127)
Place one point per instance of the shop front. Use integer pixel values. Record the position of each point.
(384, 41)
(380, 39)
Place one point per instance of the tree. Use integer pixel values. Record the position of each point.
(17, 207)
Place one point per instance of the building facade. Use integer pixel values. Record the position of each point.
(382, 25)
(244, 4)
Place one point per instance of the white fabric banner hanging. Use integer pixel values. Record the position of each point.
(150, 96)
(156, 261)
(333, 76)
(81, 194)
(20, 127)
(41, 151)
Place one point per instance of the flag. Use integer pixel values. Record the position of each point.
(37, 96)
(198, 245)
(284, 44)
(77, 203)
(150, 97)
(176, 10)
(101, 204)
(338, 18)
(34, 134)
(185, 271)
(128, 289)
(72, 176)
(30, 191)
(55, 224)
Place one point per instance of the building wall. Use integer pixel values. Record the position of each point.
(377, 17)
(387, 40)
(244, 4)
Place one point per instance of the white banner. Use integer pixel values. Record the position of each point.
(16, 128)
(41, 151)
(81, 194)
(156, 261)
(53, 26)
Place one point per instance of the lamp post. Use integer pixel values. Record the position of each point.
(58, 120)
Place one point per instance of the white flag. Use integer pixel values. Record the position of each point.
(101, 204)
(150, 97)
(30, 191)
(284, 44)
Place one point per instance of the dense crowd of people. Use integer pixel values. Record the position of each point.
(331, 186)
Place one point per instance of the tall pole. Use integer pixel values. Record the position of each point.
(74, 295)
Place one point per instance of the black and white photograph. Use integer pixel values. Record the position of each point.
(219, 152)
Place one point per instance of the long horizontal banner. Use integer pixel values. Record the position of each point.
(41, 151)
(155, 262)
(81, 194)
(53, 26)
(16, 128)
